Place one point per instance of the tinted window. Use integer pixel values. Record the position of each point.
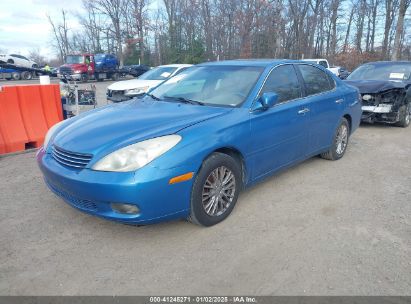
(316, 81)
(283, 81)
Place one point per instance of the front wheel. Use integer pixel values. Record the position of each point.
(340, 142)
(404, 114)
(215, 190)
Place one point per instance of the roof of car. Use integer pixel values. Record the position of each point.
(251, 62)
(176, 65)
(388, 62)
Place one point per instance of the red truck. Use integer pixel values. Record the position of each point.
(86, 67)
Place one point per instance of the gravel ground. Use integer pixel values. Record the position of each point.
(320, 228)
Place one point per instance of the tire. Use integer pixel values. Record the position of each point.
(115, 77)
(84, 78)
(16, 76)
(203, 210)
(10, 61)
(340, 141)
(26, 75)
(405, 116)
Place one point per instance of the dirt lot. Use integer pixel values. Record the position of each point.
(320, 228)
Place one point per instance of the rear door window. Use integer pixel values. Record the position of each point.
(283, 80)
(316, 81)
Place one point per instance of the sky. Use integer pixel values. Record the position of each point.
(24, 25)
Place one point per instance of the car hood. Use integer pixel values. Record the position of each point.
(134, 84)
(109, 128)
(376, 86)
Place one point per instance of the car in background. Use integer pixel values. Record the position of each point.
(18, 60)
(342, 73)
(128, 89)
(338, 71)
(190, 145)
(385, 88)
(106, 61)
(136, 70)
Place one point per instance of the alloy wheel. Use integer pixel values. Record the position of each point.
(218, 191)
(342, 139)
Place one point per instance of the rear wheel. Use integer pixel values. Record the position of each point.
(340, 142)
(215, 190)
(16, 76)
(404, 114)
(26, 75)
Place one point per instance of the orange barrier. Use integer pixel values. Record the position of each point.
(26, 113)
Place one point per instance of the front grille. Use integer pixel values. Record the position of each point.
(70, 159)
(76, 202)
(66, 71)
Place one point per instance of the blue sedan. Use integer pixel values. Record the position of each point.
(187, 148)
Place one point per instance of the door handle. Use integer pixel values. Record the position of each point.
(339, 100)
(303, 111)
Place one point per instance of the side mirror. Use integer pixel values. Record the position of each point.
(267, 100)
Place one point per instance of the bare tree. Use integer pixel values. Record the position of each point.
(347, 34)
(114, 10)
(396, 53)
(390, 8)
(60, 31)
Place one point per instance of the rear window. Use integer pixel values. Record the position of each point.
(316, 81)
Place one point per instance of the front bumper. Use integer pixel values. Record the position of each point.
(93, 191)
(382, 108)
(70, 77)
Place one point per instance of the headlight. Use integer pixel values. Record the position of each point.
(367, 97)
(50, 133)
(137, 155)
(78, 71)
(136, 91)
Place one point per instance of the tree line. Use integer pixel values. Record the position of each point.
(154, 32)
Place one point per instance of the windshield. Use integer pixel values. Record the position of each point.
(381, 72)
(159, 73)
(74, 59)
(213, 85)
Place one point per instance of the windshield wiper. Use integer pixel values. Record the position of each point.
(186, 100)
(153, 96)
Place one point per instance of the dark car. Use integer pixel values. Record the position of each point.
(136, 69)
(343, 73)
(385, 87)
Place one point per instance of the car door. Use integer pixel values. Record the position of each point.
(26, 61)
(279, 134)
(326, 105)
(22, 61)
(16, 59)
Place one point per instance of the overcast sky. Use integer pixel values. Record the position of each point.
(24, 25)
